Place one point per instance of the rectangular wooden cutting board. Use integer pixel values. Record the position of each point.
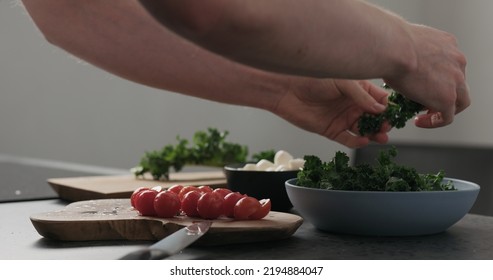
(122, 186)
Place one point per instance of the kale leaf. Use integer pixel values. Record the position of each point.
(386, 175)
(398, 112)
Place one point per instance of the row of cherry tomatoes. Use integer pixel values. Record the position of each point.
(198, 201)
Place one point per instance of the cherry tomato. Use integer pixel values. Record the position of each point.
(186, 189)
(166, 204)
(210, 205)
(134, 194)
(222, 191)
(189, 203)
(175, 188)
(245, 207)
(144, 202)
(230, 201)
(205, 189)
(265, 206)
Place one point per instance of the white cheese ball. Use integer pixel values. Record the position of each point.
(264, 164)
(283, 161)
(296, 164)
(282, 167)
(249, 167)
(282, 158)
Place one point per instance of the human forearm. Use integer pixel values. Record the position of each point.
(337, 38)
(120, 37)
(348, 39)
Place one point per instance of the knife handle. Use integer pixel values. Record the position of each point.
(146, 254)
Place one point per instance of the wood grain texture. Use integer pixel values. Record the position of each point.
(122, 186)
(115, 219)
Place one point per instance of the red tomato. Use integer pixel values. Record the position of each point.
(185, 190)
(134, 194)
(189, 203)
(210, 205)
(175, 188)
(222, 191)
(265, 206)
(166, 204)
(144, 202)
(229, 203)
(205, 189)
(245, 207)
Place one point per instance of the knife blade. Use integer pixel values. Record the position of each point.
(171, 244)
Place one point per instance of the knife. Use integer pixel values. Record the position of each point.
(171, 244)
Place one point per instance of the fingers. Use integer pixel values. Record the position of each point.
(351, 138)
(431, 120)
(369, 97)
(434, 119)
(439, 81)
(378, 93)
(382, 136)
(463, 100)
(353, 141)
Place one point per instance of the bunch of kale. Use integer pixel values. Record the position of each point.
(398, 112)
(386, 175)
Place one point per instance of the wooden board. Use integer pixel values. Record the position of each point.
(122, 186)
(115, 219)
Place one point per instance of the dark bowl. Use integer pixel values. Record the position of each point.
(261, 184)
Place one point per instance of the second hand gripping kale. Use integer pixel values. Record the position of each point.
(398, 112)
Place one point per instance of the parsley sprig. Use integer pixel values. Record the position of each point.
(208, 148)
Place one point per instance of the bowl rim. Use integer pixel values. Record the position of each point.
(235, 166)
(471, 187)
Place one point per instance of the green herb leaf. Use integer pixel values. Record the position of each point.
(399, 111)
(386, 175)
(209, 148)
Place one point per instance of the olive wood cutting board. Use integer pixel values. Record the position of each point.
(115, 219)
(122, 186)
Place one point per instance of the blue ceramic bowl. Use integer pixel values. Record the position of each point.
(383, 213)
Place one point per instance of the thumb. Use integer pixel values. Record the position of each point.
(370, 98)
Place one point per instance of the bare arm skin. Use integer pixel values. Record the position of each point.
(348, 39)
(122, 38)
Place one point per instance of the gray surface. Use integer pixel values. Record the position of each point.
(20, 241)
(470, 238)
(25, 178)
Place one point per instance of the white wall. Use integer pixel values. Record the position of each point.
(56, 107)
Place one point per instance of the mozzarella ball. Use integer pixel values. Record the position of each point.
(296, 164)
(249, 167)
(282, 158)
(263, 164)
